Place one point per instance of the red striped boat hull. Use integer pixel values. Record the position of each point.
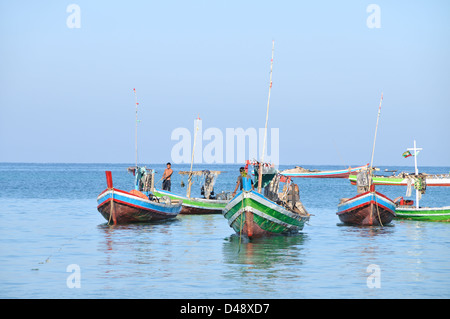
(367, 209)
(121, 207)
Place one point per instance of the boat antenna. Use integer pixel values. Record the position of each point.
(376, 128)
(265, 128)
(192, 159)
(136, 143)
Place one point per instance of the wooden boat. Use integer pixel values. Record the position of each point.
(367, 209)
(138, 205)
(437, 214)
(209, 204)
(254, 215)
(195, 206)
(403, 179)
(406, 208)
(122, 207)
(306, 173)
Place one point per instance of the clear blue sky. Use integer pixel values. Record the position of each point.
(66, 94)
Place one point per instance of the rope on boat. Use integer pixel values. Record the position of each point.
(240, 228)
(378, 212)
(112, 210)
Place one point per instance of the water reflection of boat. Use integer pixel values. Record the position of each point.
(132, 246)
(265, 251)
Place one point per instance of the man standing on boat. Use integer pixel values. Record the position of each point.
(243, 173)
(166, 178)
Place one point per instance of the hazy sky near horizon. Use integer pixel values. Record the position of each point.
(66, 94)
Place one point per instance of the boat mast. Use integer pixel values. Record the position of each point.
(415, 149)
(376, 128)
(188, 193)
(136, 143)
(265, 128)
(374, 141)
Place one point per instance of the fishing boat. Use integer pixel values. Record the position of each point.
(403, 179)
(122, 207)
(369, 207)
(139, 204)
(437, 214)
(299, 171)
(254, 214)
(407, 209)
(211, 203)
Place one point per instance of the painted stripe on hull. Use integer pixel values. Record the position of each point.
(403, 181)
(344, 173)
(195, 205)
(424, 213)
(365, 199)
(253, 215)
(369, 208)
(129, 208)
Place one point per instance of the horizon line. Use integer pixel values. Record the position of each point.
(210, 164)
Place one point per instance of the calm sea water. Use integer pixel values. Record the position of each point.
(50, 223)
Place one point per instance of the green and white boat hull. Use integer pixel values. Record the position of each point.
(251, 214)
(423, 213)
(431, 180)
(195, 205)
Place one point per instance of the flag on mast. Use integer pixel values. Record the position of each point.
(407, 154)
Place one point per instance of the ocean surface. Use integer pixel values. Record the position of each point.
(55, 244)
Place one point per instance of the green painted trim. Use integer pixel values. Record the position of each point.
(194, 202)
(377, 180)
(266, 214)
(424, 213)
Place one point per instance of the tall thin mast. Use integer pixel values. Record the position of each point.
(192, 160)
(136, 143)
(265, 128)
(376, 128)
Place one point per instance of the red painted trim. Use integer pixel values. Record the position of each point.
(109, 181)
(365, 204)
(134, 206)
(363, 194)
(353, 208)
(117, 191)
(385, 197)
